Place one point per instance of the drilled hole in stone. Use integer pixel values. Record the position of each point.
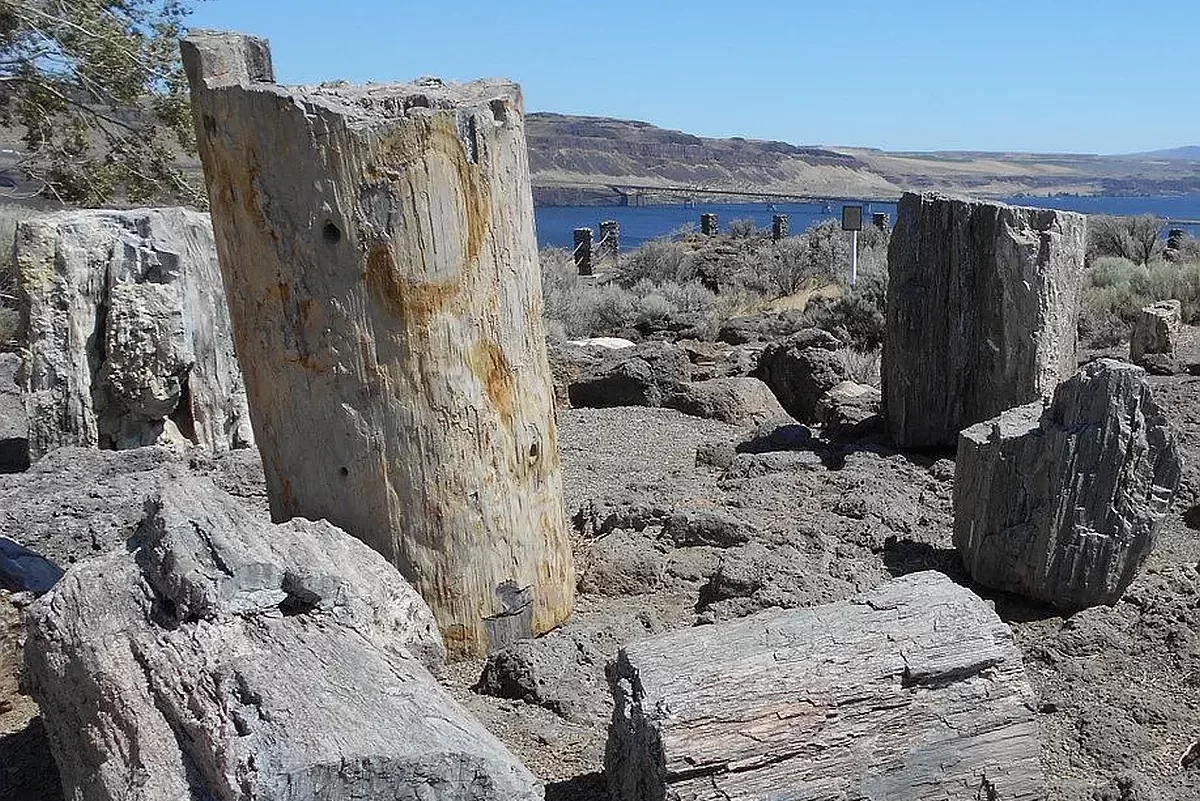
(331, 233)
(344, 471)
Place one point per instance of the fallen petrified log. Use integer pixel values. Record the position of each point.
(982, 306)
(224, 657)
(1062, 503)
(380, 262)
(914, 690)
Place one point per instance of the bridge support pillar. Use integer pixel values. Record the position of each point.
(780, 227)
(583, 250)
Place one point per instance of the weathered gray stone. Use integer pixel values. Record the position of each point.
(914, 690)
(77, 503)
(850, 409)
(14, 422)
(982, 305)
(225, 657)
(644, 376)
(1062, 503)
(128, 340)
(1155, 337)
(802, 368)
(737, 401)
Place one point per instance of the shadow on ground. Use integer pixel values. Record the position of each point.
(27, 771)
(588, 787)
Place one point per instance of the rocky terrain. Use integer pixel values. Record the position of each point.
(665, 542)
(187, 633)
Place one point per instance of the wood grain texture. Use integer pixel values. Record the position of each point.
(982, 308)
(381, 264)
(914, 690)
(1062, 502)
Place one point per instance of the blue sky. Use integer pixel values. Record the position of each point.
(1106, 76)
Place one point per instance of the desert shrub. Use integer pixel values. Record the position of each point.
(744, 229)
(689, 297)
(1187, 251)
(858, 316)
(1137, 239)
(1115, 289)
(660, 260)
(576, 308)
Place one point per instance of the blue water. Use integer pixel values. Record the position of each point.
(556, 224)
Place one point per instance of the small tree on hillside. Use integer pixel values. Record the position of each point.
(98, 93)
(1135, 238)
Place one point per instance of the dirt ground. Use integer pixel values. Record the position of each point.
(794, 522)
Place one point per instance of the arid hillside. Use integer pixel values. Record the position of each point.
(579, 160)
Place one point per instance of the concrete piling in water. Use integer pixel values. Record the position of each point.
(583, 251)
(780, 227)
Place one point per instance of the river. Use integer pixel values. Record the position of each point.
(556, 224)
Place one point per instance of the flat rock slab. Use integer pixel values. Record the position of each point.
(77, 503)
(221, 656)
(914, 690)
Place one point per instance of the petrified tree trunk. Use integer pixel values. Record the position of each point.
(982, 306)
(380, 260)
(1063, 503)
(914, 690)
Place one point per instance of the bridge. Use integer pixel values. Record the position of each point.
(631, 194)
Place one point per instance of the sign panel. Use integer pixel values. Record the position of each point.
(852, 218)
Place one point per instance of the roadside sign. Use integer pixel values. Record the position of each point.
(852, 218)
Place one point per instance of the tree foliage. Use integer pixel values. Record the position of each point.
(1137, 239)
(97, 91)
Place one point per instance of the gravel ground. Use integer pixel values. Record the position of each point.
(1118, 688)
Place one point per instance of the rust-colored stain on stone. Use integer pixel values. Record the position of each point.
(416, 141)
(414, 302)
(499, 380)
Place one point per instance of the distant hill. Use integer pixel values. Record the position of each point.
(578, 160)
(574, 159)
(1188, 153)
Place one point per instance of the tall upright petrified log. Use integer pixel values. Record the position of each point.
(379, 256)
(982, 306)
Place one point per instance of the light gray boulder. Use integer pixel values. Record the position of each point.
(1062, 502)
(982, 308)
(914, 690)
(127, 336)
(1154, 340)
(14, 423)
(77, 503)
(221, 656)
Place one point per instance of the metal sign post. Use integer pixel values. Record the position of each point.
(852, 221)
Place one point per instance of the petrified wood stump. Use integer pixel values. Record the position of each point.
(982, 307)
(379, 255)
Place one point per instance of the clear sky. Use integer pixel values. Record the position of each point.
(1093, 76)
